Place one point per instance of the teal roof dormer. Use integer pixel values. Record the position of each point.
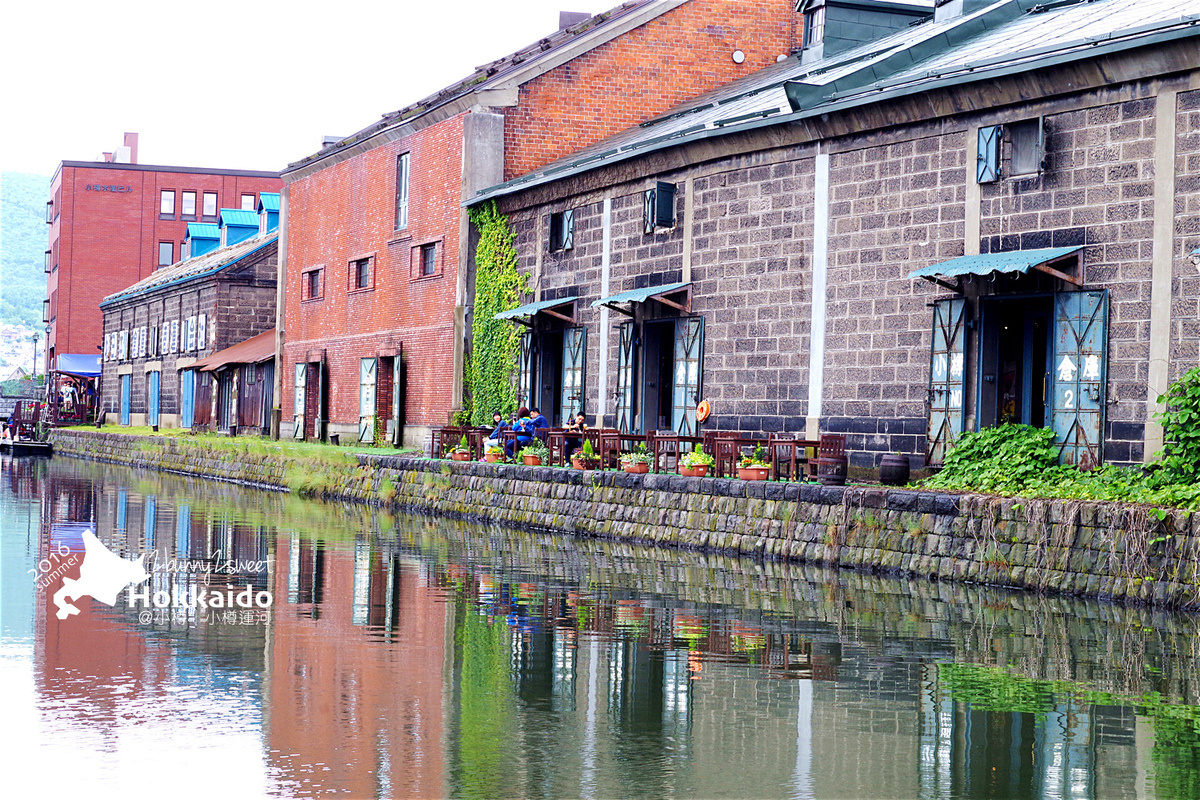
(237, 225)
(268, 211)
(202, 237)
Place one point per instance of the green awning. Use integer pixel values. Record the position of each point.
(531, 309)
(1020, 261)
(642, 295)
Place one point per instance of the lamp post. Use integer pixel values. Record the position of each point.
(34, 339)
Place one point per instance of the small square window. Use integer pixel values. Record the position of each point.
(360, 273)
(428, 259)
(166, 203)
(1028, 151)
(188, 205)
(251, 373)
(814, 27)
(562, 230)
(248, 203)
(166, 254)
(312, 284)
(658, 207)
(210, 204)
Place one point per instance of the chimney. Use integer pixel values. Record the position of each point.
(330, 141)
(108, 157)
(568, 18)
(131, 143)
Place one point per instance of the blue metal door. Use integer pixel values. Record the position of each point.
(152, 390)
(946, 374)
(126, 390)
(187, 398)
(1078, 376)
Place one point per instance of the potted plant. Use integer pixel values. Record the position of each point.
(637, 462)
(695, 464)
(535, 453)
(586, 458)
(494, 453)
(755, 466)
(462, 452)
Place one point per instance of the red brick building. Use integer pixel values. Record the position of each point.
(115, 222)
(376, 247)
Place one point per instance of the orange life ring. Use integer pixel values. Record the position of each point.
(703, 410)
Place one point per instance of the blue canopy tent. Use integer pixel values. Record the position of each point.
(81, 366)
(78, 400)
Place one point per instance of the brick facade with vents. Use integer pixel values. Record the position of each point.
(342, 207)
(899, 198)
(105, 229)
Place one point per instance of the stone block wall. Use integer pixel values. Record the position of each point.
(1090, 549)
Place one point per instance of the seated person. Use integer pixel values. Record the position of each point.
(578, 424)
(499, 426)
(539, 421)
(523, 425)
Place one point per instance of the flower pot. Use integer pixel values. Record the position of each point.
(894, 470)
(698, 471)
(492, 458)
(580, 463)
(831, 470)
(532, 461)
(754, 473)
(460, 456)
(636, 469)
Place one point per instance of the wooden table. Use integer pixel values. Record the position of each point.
(668, 446)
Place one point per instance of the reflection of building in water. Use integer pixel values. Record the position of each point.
(356, 672)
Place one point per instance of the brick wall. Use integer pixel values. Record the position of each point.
(653, 68)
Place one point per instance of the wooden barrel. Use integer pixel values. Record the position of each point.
(894, 469)
(831, 470)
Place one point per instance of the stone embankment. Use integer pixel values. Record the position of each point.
(1086, 548)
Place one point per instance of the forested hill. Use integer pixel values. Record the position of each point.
(23, 242)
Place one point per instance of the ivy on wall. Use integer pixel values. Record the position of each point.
(488, 383)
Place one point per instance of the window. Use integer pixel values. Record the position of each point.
(248, 202)
(49, 261)
(188, 207)
(166, 203)
(251, 373)
(123, 345)
(174, 341)
(360, 273)
(210, 204)
(814, 27)
(658, 207)
(49, 211)
(312, 284)
(202, 333)
(166, 254)
(562, 230)
(428, 259)
(189, 326)
(402, 192)
(1028, 149)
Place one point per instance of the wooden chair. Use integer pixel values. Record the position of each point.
(832, 444)
(726, 452)
(788, 456)
(447, 439)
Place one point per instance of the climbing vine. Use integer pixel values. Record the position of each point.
(495, 344)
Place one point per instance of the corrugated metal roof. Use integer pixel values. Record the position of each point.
(987, 263)
(252, 351)
(911, 59)
(238, 216)
(200, 266)
(640, 295)
(203, 230)
(268, 201)
(529, 309)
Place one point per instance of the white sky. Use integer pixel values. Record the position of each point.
(252, 84)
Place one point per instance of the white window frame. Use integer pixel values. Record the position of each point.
(403, 172)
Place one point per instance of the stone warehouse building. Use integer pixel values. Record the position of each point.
(159, 327)
(375, 293)
(114, 222)
(986, 216)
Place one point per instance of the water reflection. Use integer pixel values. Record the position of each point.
(417, 657)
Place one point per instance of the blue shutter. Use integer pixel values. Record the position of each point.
(625, 383)
(689, 357)
(574, 353)
(187, 398)
(946, 374)
(664, 205)
(1077, 376)
(126, 389)
(152, 400)
(987, 159)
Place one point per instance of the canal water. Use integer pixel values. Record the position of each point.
(355, 653)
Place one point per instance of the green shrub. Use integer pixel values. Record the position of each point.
(1180, 459)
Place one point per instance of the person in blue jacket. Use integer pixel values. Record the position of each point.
(500, 425)
(539, 421)
(523, 425)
